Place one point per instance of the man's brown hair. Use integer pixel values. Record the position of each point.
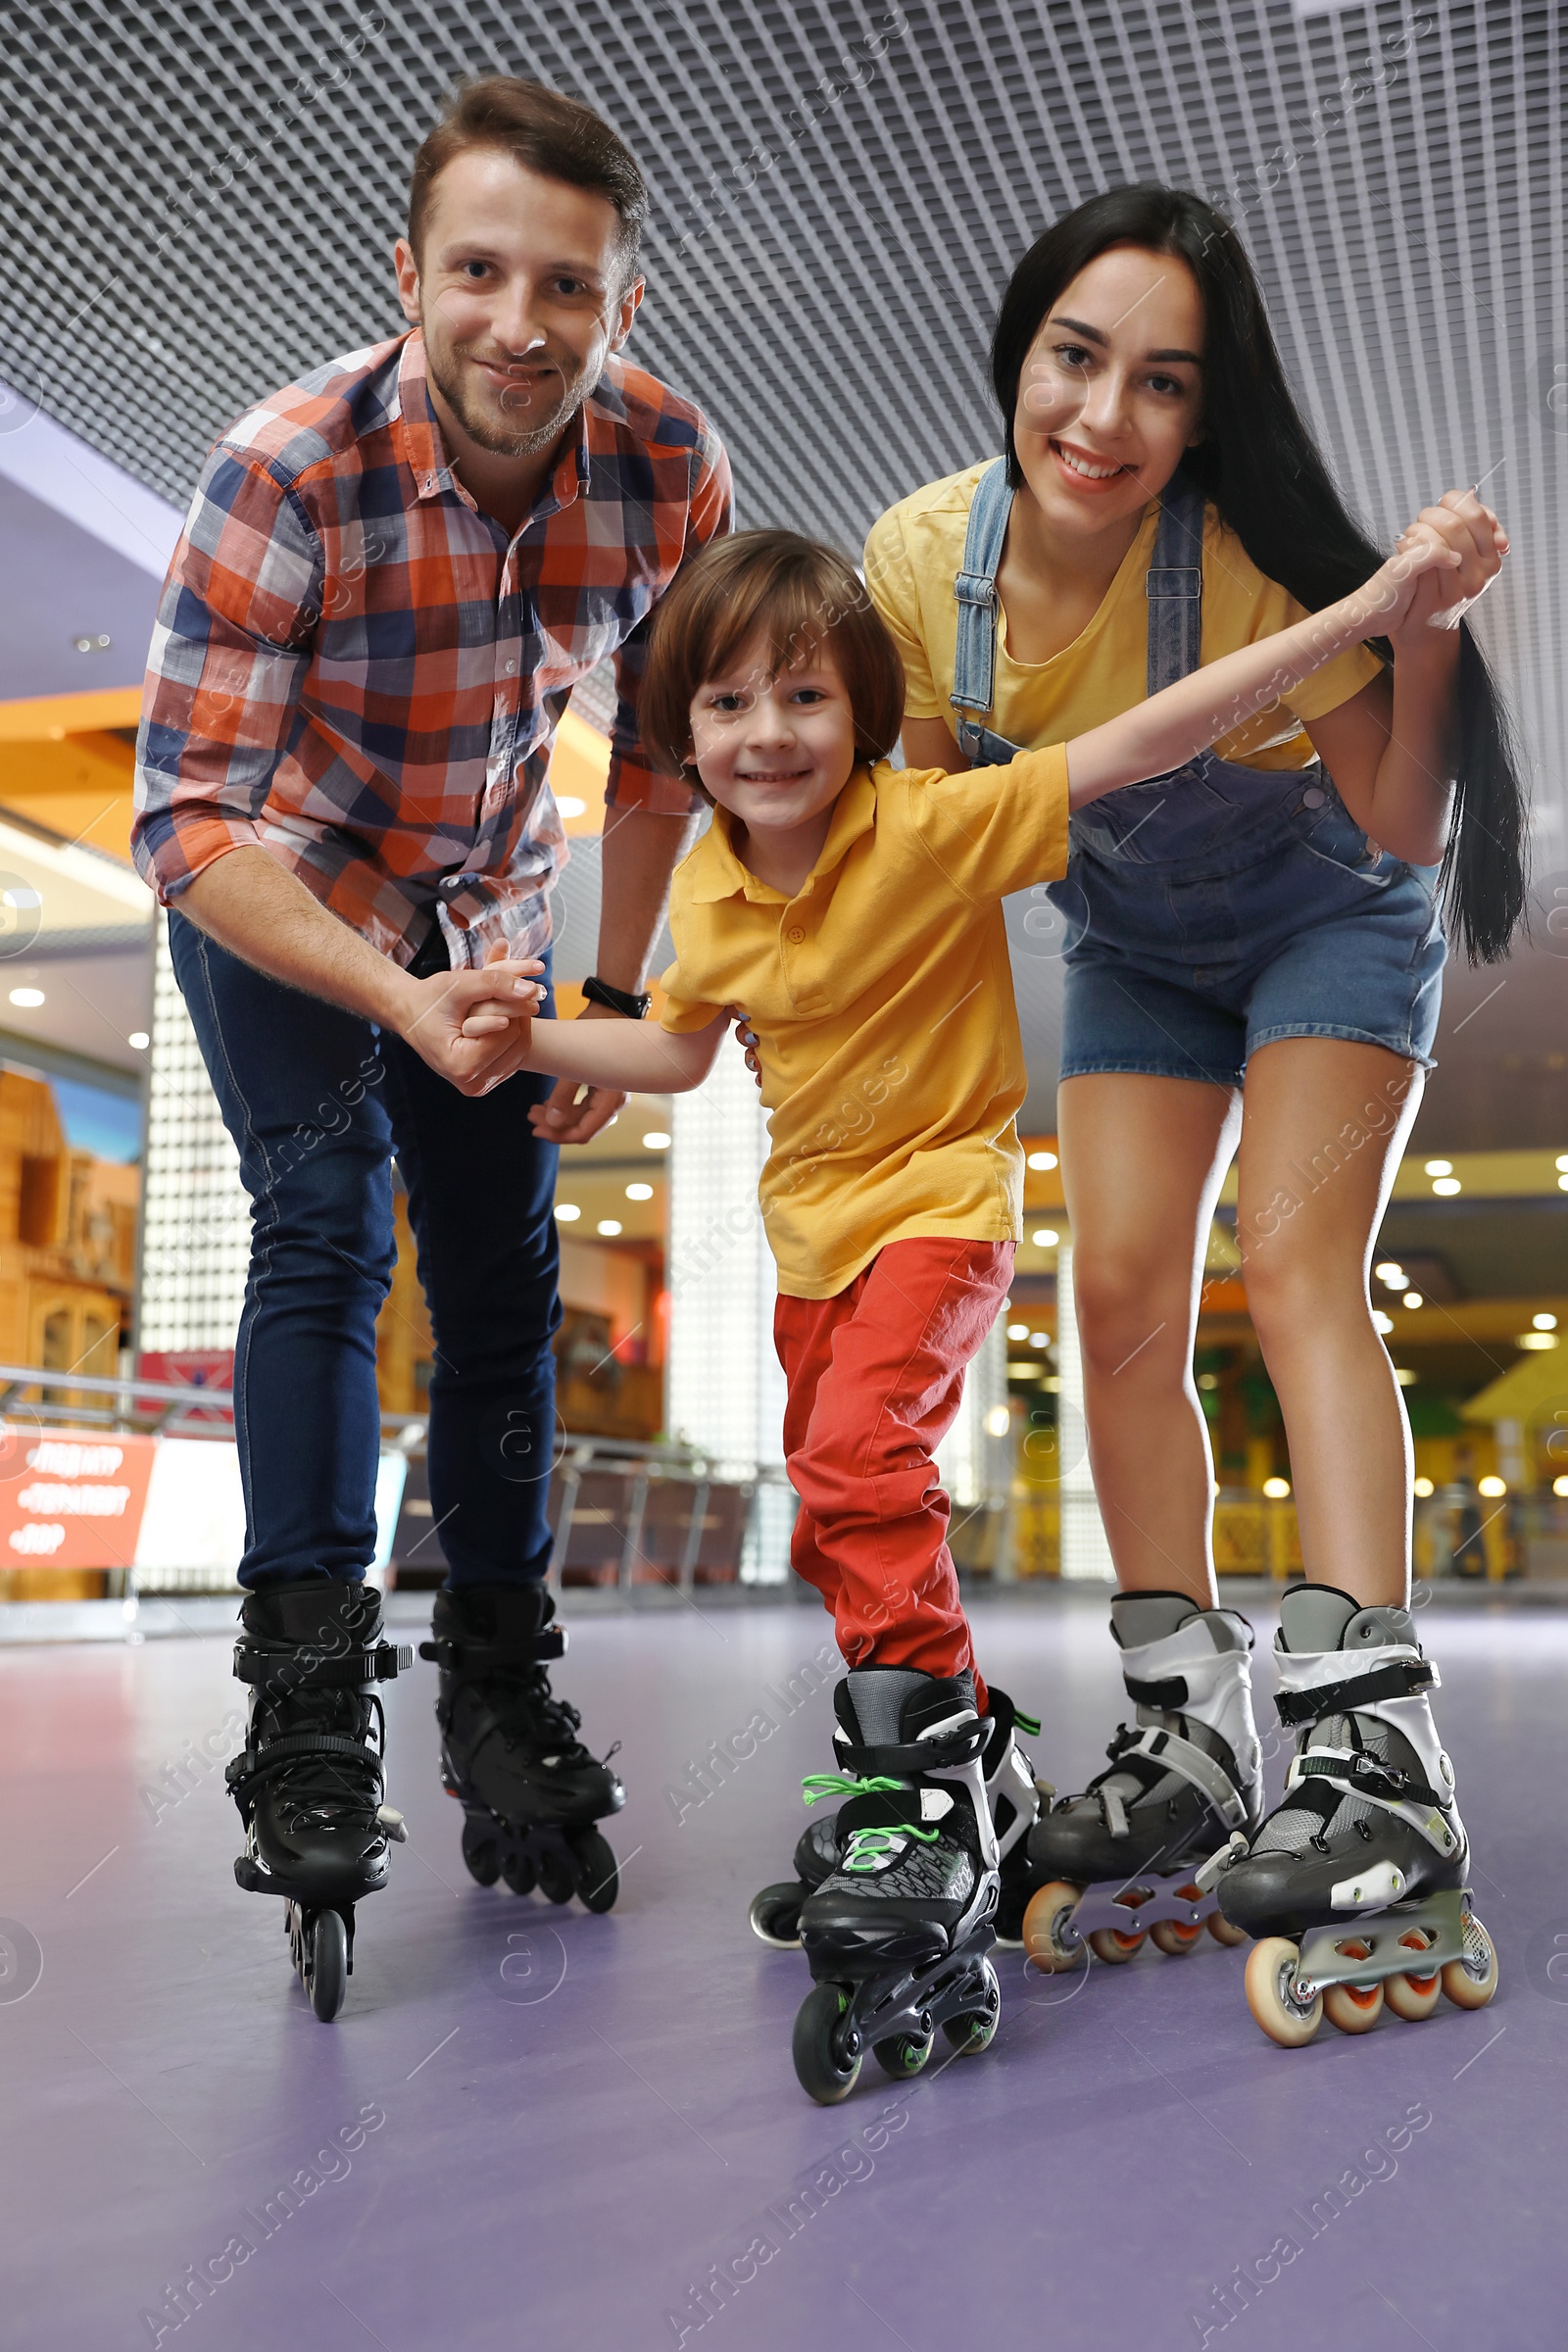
(799, 597)
(544, 130)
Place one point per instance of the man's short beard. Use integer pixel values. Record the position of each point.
(480, 430)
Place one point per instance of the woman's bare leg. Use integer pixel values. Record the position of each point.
(1323, 1128)
(1142, 1159)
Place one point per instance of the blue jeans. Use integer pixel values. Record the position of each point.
(318, 1102)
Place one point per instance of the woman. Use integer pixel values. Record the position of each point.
(1252, 967)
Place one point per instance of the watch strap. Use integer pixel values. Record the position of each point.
(630, 1007)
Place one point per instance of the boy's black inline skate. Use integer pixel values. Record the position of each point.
(530, 1790)
(1120, 1862)
(1014, 1796)
(1356, 1884)
(308, 1783)
(897, 1933)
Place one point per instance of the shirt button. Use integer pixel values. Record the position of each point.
(1314, 798)
(511, 666)
(795, 935)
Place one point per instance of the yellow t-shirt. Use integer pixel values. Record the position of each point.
(882, 1000)
(915, 549)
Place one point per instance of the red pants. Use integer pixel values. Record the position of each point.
(875, 1376)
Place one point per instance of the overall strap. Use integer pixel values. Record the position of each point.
(975, 667)
(1175, 587)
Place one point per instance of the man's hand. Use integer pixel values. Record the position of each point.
(432, 1013)
(574, 1112)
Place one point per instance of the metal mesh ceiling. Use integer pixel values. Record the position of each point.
(202, 200)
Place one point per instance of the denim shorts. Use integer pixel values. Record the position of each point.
(1184, 970)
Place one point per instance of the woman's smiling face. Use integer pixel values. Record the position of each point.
(1111, 392)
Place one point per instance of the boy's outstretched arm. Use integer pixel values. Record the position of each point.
(1171, 727)
(630, 1057)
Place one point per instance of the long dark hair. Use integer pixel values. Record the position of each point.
(1258, 466)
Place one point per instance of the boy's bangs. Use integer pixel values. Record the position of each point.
(792, 613)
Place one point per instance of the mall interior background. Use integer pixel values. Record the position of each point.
(839, 194)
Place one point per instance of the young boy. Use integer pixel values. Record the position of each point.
(852, 912)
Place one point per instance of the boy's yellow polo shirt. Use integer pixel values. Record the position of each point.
(915, 548)
(882, 1001)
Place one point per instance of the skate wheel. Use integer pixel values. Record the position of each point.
(972, 2032)
(1285, 2017)
(328, 1965)
(1173, 1937)
(775, 1915)
(1109, 1944)
(558, 1880)
(1411, 1994)
(1353, 2008)
(480, 1852)
(1049, 1941)
(826, 2047)
(519, 1872)
(1219, 1927)
(598, 1877)
(901, 2055)
(1470, 1982)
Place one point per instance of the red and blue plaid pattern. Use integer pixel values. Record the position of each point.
(353, 670)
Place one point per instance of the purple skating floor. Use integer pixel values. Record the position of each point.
(531, 2127)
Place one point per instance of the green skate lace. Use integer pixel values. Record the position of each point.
(1026, 1723)
(866, 1847)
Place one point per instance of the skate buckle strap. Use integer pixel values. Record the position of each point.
(960, 1745)
(255, 1764)
(461, 1654)
(1402, 1679)
(1348, 1772)
(1193, 1764)
(1168, 1696)
(307, 1669)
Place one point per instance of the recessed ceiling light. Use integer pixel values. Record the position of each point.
(568, 1212)
(1448, 1186)
(140, 1038)
(1017, 1331)
(1042, 1160)
(569, 806)
(1047, 1238)
(1413, 1300)
(656, 1141)
(28, 998)
(1440, 1168)
(609, 1227)
(1545, 1322)
(639, 1192)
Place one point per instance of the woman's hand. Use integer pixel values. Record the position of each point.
(746, 1035)
(1440, 591)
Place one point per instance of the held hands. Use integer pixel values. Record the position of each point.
(1448, 556)
(472, 1027)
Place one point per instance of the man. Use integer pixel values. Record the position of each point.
(392, 573)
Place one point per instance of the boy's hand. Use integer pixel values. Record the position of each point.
(1448, 556)
(499, 999)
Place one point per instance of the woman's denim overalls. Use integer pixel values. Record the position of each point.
(1215, 908)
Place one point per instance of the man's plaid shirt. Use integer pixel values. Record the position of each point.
(353, 670)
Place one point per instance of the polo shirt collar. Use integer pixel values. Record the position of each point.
(426, 451)
(719, 874)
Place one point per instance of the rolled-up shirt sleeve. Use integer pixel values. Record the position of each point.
(220, 703)
(633, 782)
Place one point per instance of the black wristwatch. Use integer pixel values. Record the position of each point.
(615, 1000)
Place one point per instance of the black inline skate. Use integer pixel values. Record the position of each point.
(1014, 1796)
(1120, 1862)
(897, 1933)
(1356, 1884)
(308, 1783)
(530, 1790)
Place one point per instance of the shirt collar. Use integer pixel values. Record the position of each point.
(716, 872)
(425, 452)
